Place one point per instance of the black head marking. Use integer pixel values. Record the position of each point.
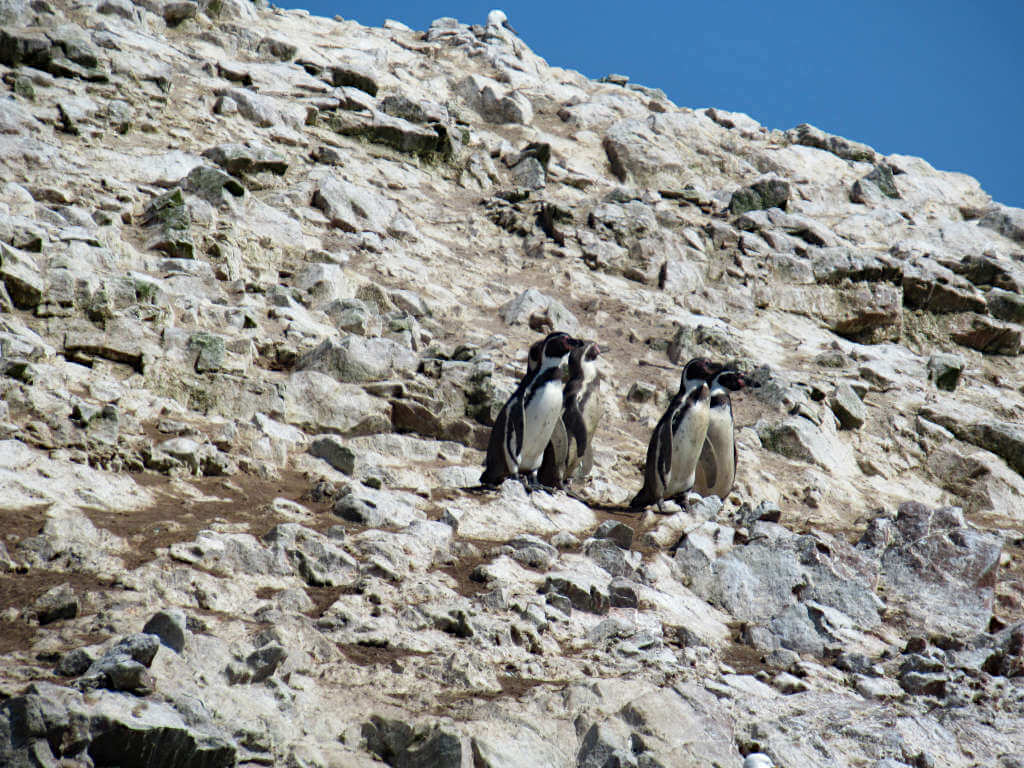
(559, 344)
(734, 381)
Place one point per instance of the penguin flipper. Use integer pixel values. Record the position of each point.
(548, 474)
(665, 454)
(575, 429)
(495, 467)
(514, 433)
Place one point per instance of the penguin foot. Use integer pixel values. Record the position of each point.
(542, 487)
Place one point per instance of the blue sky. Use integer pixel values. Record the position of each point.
(942, 80)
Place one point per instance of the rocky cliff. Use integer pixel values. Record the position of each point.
(266, 280)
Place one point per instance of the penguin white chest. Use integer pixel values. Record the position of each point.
(687, 442)
(539, 417)
(720, 435)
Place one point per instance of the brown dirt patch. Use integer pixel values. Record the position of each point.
(374, 655)
(240, 499)
(744, 659)
(18, 524)
(21, 590)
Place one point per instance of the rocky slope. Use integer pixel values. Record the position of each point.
(267, 279)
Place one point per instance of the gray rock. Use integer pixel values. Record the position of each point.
(20, 276)
(265, 661)
(847, 406)
(415, 111)
(108, 728)
(584, 595)
(352, 208)
(277, 48)
(529, 174)
(611, 557)
(177, 11)
(169, 626)
(211, 183)
(74, 663)
(56, 603)
(940, 572)
(601, 747)
(931, 286)
(493, 102)
(249, 158)
(319, 403)
(356, 73)
(623, 593)
(810, 136)
(539, 312)
(616, 531)
(1005, 305)
(208, 350)
(923, 684)
(334, 452)
(532, 551)
(767, 193)
(376, 508)
(944, 370)
(124, 666)
(355, 359)
(860, 310)
(404, 746)
(797, 438)
(313, 557)
(986, 335)
(131, 676)
(834, 265)
(1007, 221)
(170, 218)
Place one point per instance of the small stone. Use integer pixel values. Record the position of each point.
(55, 604)
(169, 626)
(618, 532)
(944, 370)
(767, 193)
(565, 540)
(334, 452)
(178, 11)
(74, 663)
(924, 684)
(623, 593)
(131, 676)
(641, 392)
(847, 407)
(264, 661)
(787, 684)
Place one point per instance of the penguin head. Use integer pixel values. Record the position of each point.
(732, 380)
(555, 347)
(591, 351)
(698, 370)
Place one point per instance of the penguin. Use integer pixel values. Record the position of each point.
(524, 425)
(677, 440)
(716, 469)
(570, 453)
